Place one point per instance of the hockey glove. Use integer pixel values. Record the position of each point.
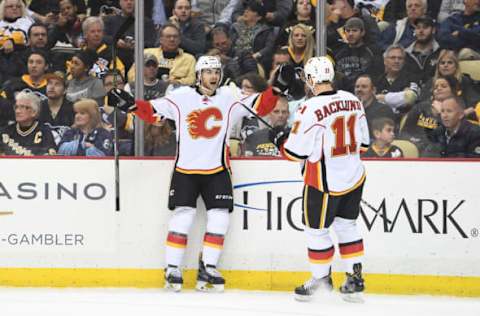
(278, 135)
(287, 82)
(122, 100)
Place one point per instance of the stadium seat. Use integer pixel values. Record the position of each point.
(408, 148)
(471, 67)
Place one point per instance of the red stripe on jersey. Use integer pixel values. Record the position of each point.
(312, 176)
(265, 102)
(214, 239)
(177, 239)
(351, 248)
(325, 254)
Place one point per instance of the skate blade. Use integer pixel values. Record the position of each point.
(203, 286)
(173, 287)
(353, 298)
(303, 298)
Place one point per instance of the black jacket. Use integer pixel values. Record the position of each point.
(464, 143)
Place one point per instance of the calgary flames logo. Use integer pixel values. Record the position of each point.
(197, 123)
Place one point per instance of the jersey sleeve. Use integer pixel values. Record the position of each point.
(301, 140)
(364, 134)
(261, 103)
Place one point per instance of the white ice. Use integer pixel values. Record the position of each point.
(135, 302)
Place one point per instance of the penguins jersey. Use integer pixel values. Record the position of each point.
(328, 132)
(204, 124)
(35, 141)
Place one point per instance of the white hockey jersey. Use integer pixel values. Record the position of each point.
(328, 132)
(204, 123)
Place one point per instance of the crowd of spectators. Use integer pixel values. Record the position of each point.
(402, 58)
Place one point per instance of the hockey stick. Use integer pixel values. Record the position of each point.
(121, 30)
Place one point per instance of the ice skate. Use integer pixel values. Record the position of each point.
(173, 279)
(209, 279)
(352, 289)
(306, 291)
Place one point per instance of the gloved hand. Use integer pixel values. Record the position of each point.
(122, 100)
(284, 78)
(278, 135)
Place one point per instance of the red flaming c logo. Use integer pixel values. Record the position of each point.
(197, 123)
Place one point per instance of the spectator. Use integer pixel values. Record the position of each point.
(46, 11)
(383, 136)
(56, 111)
(396, 88)
(456, 136)
(448, 65)
(276, 12)
(356, 57)
(250, 83)
(449, 8)
(14, 25)
(402, 31)
(87, 136)
(258, 143)
(175, 65)
(421, 56)
(125, 121)
(250, 34)
(426, 115)
(233, 66)
(68, 27)
(365, 91)
(82, 85)
(192, 32)
(153, 87)
(98, 7)
(160, 140)
(34, 80)
(342, 11)
(301, 45)
(93, 32)
(126, 44)
(214, 13)
(461, 31)
(280, 56)
(396, 9)
(27, 136)
(303, 13)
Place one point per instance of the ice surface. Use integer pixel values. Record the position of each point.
(138, 302)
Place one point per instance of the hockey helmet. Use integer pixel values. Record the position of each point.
(319, 70)
(208, 62)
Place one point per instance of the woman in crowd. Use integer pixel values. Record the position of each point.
(426, 115)
(87, 136)
(303, 13)
(301, 44)
(448, 65)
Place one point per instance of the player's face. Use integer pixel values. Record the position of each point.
(387, 134)
(82, 118)
(441, 90)
(447, 66)
(299, 38)
(55, 89)
(36, 65)
(211, 78)
(354, 35)
(94, 35)
(182, 10)
(451, 114)
(24, 113)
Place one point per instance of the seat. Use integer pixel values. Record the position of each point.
(408, 148)
(471, 67)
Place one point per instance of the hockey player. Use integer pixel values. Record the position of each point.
(204, 116)
(327, 135)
